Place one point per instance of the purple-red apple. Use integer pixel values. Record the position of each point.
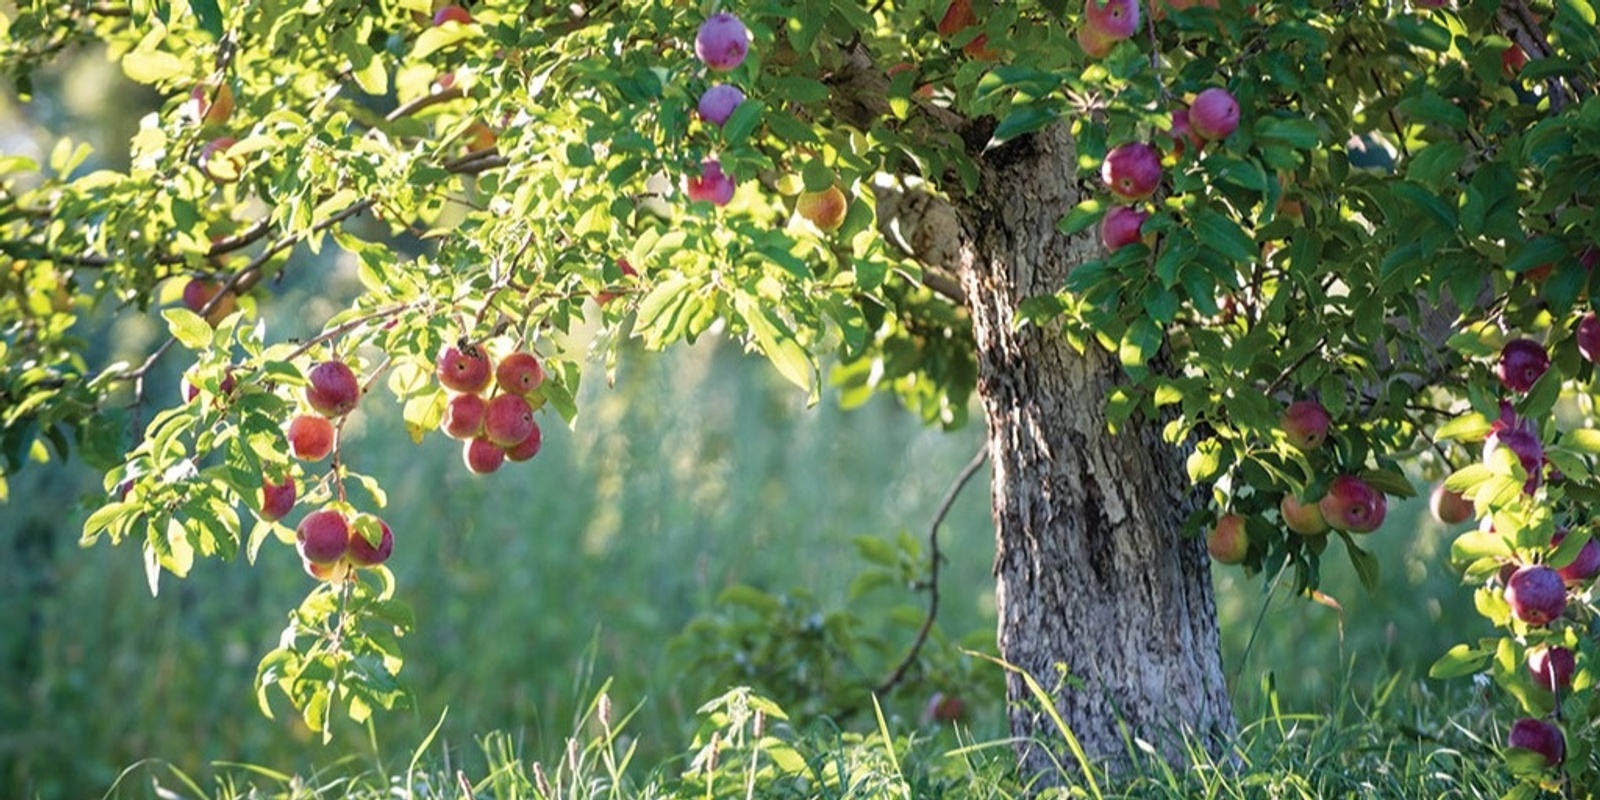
(466, 371)
(332, 389)
(1120, 227)
(1527, 447)
(718, 103)
(364, 554)
(1537, 594)
(1214, 114)
(452, 13)
(1113, 19)
(1302, 518)
(722, 42)
(507, 420)
(1552, 667)
(211, 104)
(463, 416)
(519, 373)
(1584, 566)
(825, 209)
(199, 291)
(1588, 337)
(1132, 171)
(1450, 507)
(528, 447)
(277, 499)
(310, 437)
(216, 163)
(1522, 363)
(1305, 424)
(1351, 504)
(482, 456)
(711, 185)
(323, 536)
(1540, 737)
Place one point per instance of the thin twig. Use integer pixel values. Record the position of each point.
(934, 558)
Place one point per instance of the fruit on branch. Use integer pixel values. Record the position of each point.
(199, 291)
(1450, 507)
(463, 416)
(1120, 227)
(333, 389)
(1113, 19)
(1537, 594)
(1512, 60)
(277, 499)
(310, 437)
(210, 104)
(718, 103)
(465, 371)
(519, 373)
(722, 41)
(1522, 363)
(1584, 566)
(452, 13)
(479, 137)
(192, 391)
(1522, 442)
(528, 447)
(711, 185)
(1094, 43)
(1182, 133)
(323, 536)
(482, 456)
(958, 16)
(364, 554)
(507, 420)
(216, 163)
(1228, 543)
(1132, 171)
(1540, 737)
(1552, 667)
(1302, 518)
(1214, 114)
(1352, 505)
(1305, 424)
(1588, 337)
(825, 209)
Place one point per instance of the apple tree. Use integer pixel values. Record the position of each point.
(1223, 277)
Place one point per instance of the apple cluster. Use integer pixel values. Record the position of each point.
(1132, 171)
(332, 542)
(497, 427)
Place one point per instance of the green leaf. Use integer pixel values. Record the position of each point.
(1366, 565)
(1223, 235)
(188, 328)
(1459, 660)
(1470, 427)
(780, 346)
(1417, 195)
(1081, 217)
(209, 15)
(1582, 440)
(1023, 120)
(151, 67)
(1389, 482)
(1537, 252)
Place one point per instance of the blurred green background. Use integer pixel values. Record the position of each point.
(697, 471)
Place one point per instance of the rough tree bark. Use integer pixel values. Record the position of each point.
(1100, 597)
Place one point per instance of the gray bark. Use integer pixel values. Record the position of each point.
(1100, 597)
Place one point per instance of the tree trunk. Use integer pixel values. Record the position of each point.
(1100, 598)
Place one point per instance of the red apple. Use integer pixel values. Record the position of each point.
(199, 291)
(1351, 504)
(1302, 518)
(1214, 114)
(1540, 737)
(1537, 594)
(1132, 171)
(1527, 447)
(452, 13)
(718, 103)
(519, 373)
(1228, 543)
(323, 536)
(958, 16)
(1305, 424)
(1588, 337)
(1114, 19)
(465, 371)
(364, 554)
(722, 42)
(528, 447)
(1449, 507)
(277, 499)
(1512, 60)
(1552, 667)
(1584, 566)
(1120, 227)
(483, 456)
(507, 420)
(310, 437)
(211, 104)
(1522, 363)
(1182, 134)
(944, 708)
(1094, 42)
(333, 389)
(463, 416)
(216, 163)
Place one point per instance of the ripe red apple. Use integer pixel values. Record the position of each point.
(528, 447)
(1120, 227)
(465, 371)
(1302, 518)
(1228, 543)
(1525, 444)
(1588, 337)
(1449, 507)
(199, 291)
(211, 104)
(364, 554)
(825, 209)
(519, 373)
(323, 536)
(507, 420)
(1512, 60)
(718, 103)
(463, 416)
(1552, 667)
(1094, 42)
(1522, 362)
(452, 13)
(191, 391)
(958, 16)
(722, 42)
(1305, 424)
(1584, 566)
(1214, 114)
(216, 163)
(332, 389)
(1537, 594)
(310, 437)
(712, 185)
(483, 456)
(1351, 504)
(1114, 19)
(1132, 171)
(277, 499)
(1541, 737)
(1182, 134)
